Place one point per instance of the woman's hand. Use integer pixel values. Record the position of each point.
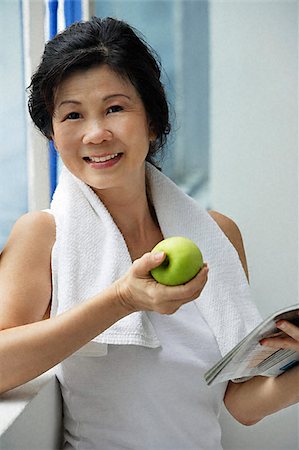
(287, 339)
(138, 291)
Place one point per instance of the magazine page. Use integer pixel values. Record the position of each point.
(249, 358)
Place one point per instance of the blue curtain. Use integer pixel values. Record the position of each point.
(72, 13)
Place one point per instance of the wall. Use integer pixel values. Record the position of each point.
(254, 168)
(13, 161)
(254, 164)
(33, 16)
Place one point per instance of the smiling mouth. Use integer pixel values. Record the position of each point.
(101, 159)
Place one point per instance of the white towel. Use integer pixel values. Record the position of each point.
(90, 253)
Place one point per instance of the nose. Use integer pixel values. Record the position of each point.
(96, 133)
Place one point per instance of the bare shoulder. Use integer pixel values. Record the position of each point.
(25, 270)
(33, 233)
(228, 226)
(39, 222)
(231, 230)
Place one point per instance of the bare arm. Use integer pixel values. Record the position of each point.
(25, 270)
(251, 401)
(262, 396)
(29, 345)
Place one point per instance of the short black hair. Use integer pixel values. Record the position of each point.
(96, 42)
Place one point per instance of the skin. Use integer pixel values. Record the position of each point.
(90, 119)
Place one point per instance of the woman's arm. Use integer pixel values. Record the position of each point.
(29, 345)
(261, 396)
(251, 401)
(25, 270)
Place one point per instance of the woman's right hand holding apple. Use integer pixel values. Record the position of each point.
(138, 291)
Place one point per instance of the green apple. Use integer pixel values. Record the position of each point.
(182, 262)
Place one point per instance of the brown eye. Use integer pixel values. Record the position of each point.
(114, 108)
(73, 116)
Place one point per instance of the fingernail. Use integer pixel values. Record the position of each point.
(205, 268)
(158, 255)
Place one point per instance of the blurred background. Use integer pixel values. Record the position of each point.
(231, 73)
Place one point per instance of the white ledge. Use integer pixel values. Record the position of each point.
(30, 415)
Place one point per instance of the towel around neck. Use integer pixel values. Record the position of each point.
(90, 253)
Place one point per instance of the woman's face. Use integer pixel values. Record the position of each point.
(101, 129)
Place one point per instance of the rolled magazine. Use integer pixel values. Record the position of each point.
(249, 358)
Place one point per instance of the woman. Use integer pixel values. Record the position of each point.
(132, 352)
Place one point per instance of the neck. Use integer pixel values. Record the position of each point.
(131, 210)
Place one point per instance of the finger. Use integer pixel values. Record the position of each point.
(173, 304)
(190, 290)
(143, 265)
(280, 343)
(289, 338)
(289, 328)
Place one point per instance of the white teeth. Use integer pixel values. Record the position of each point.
(102, 158)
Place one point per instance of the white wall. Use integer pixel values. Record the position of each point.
(254, 163)
(37, 147)
(254, 138)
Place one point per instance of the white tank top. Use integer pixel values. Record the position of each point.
(139, 398)
(131, 397)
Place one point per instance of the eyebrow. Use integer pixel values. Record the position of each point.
(65, 102)
(107, 97)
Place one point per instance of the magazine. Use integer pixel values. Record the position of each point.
(249, 358)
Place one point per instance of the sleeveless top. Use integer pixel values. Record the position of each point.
(138, 398)
(118, 395)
